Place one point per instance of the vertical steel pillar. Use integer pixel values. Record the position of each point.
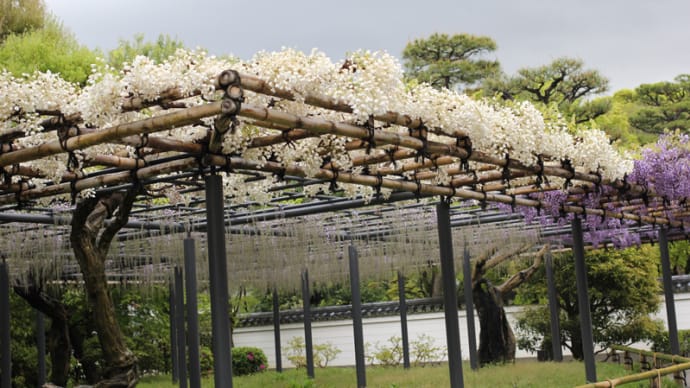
(218, 270)
(469, 307)
(583, 301)
(556, 350)
(450, 296)
(306, 305)
(403, 321)
(6, 367)
(180, 332)
(357, 317)
(668, 292)
(41, 347)
(173, 331)
(276, 330)
(192, 313)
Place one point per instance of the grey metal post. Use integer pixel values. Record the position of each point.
(450, 296)
(192, 313)
(583, 301)
(180, 332)
(276, 330)
(41, 347)
(218, 270)
(6, 380)
(668, 293)
(357, 317)
(403, 321)
(469, 307)
(173, 332)
(556, 350)
(306, 306)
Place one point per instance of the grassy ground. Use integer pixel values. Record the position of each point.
(530, 374)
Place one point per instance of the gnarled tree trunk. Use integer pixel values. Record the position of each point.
(496, 338)
(91, 238)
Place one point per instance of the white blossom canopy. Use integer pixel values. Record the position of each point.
(285, 129)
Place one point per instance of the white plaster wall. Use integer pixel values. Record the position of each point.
(339, 333)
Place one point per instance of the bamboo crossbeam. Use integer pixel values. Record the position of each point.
(655, 373)
(660, 356)
(423, 189)
(323, 126)
(325, 174)
(154, 124)
(260, 86)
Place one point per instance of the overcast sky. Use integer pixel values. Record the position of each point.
(629, 41)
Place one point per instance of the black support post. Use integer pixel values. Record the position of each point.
(218, 270)
(450, 296)
(192, 313)
(6, 367)
(276, 330)
(556, 350)
(403, 321)
(583, 301)
(469, 307)
(41, 347)
(180, 332)
(173, 332)
(357, 326)
(668, 293)
(306, 306)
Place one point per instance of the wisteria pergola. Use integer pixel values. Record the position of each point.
(303, 156)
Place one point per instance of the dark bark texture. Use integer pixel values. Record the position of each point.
(496, 338)
(91, 237)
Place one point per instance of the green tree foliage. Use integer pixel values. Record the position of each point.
(159, 50)
(564, 82)
(616, 123)
(446, 61)
(51, 48)
(623, 291)
(665, 106)
(20, 16)
(679, 252)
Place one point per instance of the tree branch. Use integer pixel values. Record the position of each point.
(123, 204)
(525, 274)
(479, 264)
(507, 254)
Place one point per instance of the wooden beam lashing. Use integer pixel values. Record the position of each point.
(229, 107)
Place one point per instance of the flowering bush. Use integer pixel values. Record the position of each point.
(248, 360)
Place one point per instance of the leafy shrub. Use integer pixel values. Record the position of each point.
(323, 353)
(206, 360)
(424, 350)
(388, 354)
(296, 352)
(248, 360)
(661, 343)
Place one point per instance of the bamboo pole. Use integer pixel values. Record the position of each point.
(655, 373)
(154, 124)
(191, 163)
(423, 189)
(323, 126)
(659, 356)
